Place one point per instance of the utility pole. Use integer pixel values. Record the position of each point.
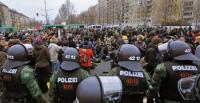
(46, 13)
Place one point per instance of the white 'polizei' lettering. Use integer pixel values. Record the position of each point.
(67, 80)
(131, 74)
(183, 68)
(11, 71)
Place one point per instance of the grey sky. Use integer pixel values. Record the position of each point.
(31, 7)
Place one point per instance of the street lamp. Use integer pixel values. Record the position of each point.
(46, 13)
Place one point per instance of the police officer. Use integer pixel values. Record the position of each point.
(135, 81)
(63, 83)
(18, 77)
(167, 74)
(197, 54)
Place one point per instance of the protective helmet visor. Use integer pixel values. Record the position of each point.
(188, 56)
(9, 64)
(69, 65)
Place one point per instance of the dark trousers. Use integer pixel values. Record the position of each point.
(43, 75)
(131, 99)
(7, 99)
(150, 100)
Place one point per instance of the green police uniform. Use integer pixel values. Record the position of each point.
(63, 85)
(166, 77)
(18, 76)
(134, 80)
(134, 84)
(64, 82)
(21, 86)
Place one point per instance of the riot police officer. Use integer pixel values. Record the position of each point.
(167, 74)
(18, 77)
(129, 70)
(197, 54)
(63, 83)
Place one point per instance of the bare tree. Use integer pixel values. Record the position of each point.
(66, 12)
(57, 20)
(166, 11)
(196, 12)
(161, 10)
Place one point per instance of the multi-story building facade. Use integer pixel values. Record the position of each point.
(149, 11)
(134, 12)
(125, 11)
(113, 12)
(19, 20)
(166, 11)
(11, 17)
(188, 11)
(146, 12)
(4, 15)
(109, 12)
(140, 12)
(102, 11)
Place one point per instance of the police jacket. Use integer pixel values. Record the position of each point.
(134, 83)
(175, 70)
(13, 84)
(63, 85)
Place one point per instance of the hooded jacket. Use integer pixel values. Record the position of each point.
(41, 56)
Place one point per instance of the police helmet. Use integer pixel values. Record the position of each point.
(18, 55)
(70, 59)
(97, 89)
(180, 50)
(197, 52)
(128, 57)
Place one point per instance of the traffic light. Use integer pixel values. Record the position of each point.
(37, 14)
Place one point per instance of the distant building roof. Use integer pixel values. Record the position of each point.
(14, 11)
(3, 4)
(18, 13)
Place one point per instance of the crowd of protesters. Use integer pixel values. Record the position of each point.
(49, 44)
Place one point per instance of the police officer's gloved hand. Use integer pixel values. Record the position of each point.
(150, 93)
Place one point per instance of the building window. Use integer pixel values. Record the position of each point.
(189, 3)
(187, 14)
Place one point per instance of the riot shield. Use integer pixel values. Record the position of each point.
(100, 89)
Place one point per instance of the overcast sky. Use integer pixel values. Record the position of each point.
(31, 7)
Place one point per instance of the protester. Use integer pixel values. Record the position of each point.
(42, 63)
